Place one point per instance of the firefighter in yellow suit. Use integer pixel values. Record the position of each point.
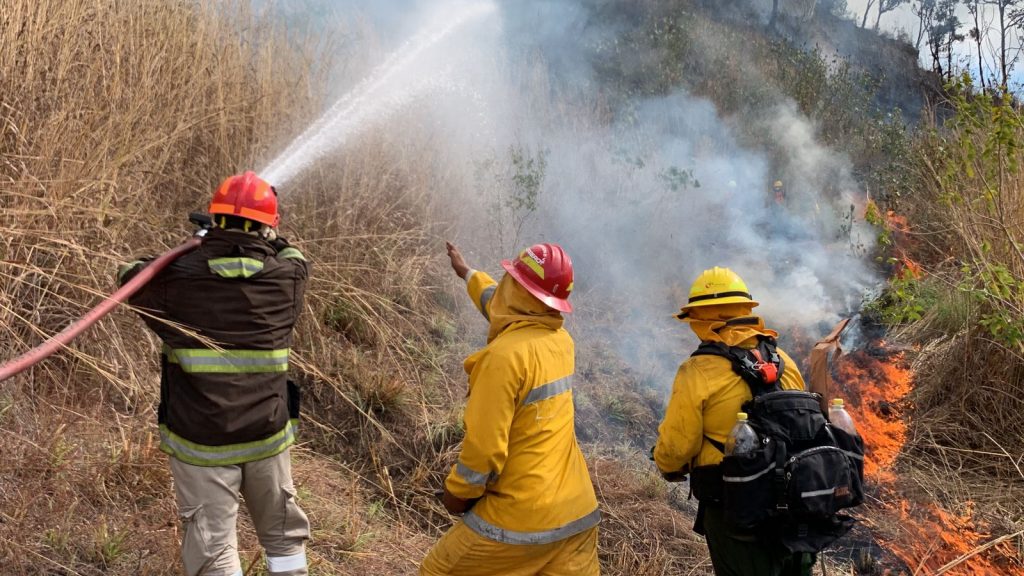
(521, 481)
(706, 396)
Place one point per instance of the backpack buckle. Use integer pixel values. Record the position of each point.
(768, 371)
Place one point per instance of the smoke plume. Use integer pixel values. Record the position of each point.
(644, 192)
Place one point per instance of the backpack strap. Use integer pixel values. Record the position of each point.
(760, 367)
(718, 445)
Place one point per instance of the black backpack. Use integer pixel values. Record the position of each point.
(802, 474)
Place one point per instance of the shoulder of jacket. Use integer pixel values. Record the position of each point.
(708, 363)
(498, 356)
(704, 369)
(783, 353)
(506, 346)
(291, 253)
(529, 337)
(514, 345)
(792, 369)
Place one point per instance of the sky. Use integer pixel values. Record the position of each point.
(904, 19)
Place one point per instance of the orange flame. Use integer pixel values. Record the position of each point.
(895, 222)
(877, 389)
(930, 538)
(904, 266)
(907, 268)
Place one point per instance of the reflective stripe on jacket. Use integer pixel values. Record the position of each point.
(201, 455)
(224, 393)
(520, 455)
(206, 360)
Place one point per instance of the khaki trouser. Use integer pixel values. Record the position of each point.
(208, 506)
(463, 552)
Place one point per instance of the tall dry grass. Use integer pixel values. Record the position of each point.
(967, 230)
(116, 120)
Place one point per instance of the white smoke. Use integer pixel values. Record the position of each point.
(643, 194)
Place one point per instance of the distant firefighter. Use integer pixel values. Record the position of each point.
(228, 413)
(520, 481)
(778, 193)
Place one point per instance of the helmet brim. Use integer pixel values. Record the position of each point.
(716, 302)
(255, 215)
(560, 304)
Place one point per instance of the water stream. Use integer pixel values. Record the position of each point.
(391, 86)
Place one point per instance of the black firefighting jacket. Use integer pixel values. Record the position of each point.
(225, 314)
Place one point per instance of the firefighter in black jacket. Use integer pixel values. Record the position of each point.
(228, 412)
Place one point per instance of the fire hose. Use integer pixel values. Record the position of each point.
(65, 336)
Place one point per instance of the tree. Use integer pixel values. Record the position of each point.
(836, 8)
(977, 34)
(1007, 22)
(886, 6)
(925, 12)
(867, 8)
(942, 34)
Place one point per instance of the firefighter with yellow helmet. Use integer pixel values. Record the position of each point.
(520, 482)
(706, 396)
(778, 193)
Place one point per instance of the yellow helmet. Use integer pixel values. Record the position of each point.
(718, 286)
(777, 184)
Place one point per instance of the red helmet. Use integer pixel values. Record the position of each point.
(249, 196)
(546, 272)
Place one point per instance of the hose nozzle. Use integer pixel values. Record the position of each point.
(203, 221)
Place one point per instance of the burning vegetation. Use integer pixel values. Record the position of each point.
(877, 383)
(915, 529)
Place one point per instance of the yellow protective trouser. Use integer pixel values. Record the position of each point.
(463, 552)
(208, 498)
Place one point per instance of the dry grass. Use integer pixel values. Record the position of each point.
(641, 534)
(116, 119)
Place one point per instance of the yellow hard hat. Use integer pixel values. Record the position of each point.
(718, 286)
(777, 184)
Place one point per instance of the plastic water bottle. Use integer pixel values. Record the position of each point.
(840, 418)
(742, 439)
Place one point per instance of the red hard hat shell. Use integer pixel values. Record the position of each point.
(249, 196)
(545, 270)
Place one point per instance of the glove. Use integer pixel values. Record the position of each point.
(279, 244)
(677, 476)
(274, 240)
(455, 505)
(126, 272)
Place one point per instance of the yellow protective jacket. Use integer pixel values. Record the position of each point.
(519, 455)
(707, 394)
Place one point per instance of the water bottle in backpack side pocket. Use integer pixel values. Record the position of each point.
(840, 418)
(742, 439)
